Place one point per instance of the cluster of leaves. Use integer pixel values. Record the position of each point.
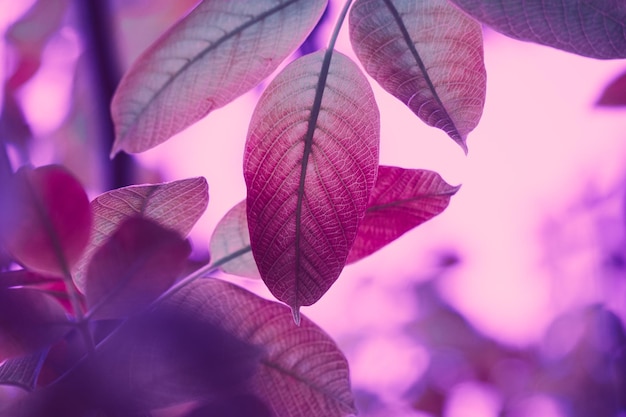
(105, 317)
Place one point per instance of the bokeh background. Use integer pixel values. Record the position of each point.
(510, 303)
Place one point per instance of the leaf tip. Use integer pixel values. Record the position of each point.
(295, 311)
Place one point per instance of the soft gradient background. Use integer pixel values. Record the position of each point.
(536, 231)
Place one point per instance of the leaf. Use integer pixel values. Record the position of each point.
(231, 237)
(175, 205)
(23, 371)
(310, 163)
(401, 200)
(593, 28)
(29, 321)
(23, 277)
(615, 93)
(47, 222)
(216, 53)
(302, 373)
(135, 265)
(427, 54)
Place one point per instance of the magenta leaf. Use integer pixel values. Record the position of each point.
(219, 51)
(615, 93)
(24, 277)
(231, 237)
(401, 200)
(596, 29)
(429, 55)
(302, 372)
(310, 163)
(47, 220)
(29, 321)
(175, 205)
(23, 371)
(136, 264)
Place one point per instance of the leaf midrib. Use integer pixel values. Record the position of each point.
(203, 53)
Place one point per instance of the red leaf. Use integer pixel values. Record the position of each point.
(310, 163)
(615, 93)
(216, 53)
(429, 55)
(303, 372)
(401, 200)
(135, 265)
(29, 321)
(596, 29)
(48, 219)
(175, 205)
(231, 236)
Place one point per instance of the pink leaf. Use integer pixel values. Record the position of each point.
(310, 163)
(231, 237)
(23, 371)
(175, 205)
(302, 374)
(29, 321)
(216, 53)
(615, 93)
(401, 200)
(24, 277)
(47, 221)
(133, 267)
(595, 28)
(429, 55)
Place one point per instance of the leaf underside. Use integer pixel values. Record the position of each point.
(23, 371)
(429, 55)
(219, 51)
(310, 162)
(175, 205)
(592, 28)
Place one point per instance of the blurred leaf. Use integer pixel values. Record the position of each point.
(239, 406)
(23, 371)
(596, 29)
(175, 205)
(29, 321)
(310, 164)
(401, 200)
(23, 277)
(14, 129)
(216, 53)
(429, 55)
(303, 373)
(48, 219)
(133, 267)
(231, 236)
(29, 35)
(614, 94)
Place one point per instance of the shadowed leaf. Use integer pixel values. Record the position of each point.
(29, 321)
(593, 28)
(429, 55)
(175, 205)
(231, 236)
(47, 221)
(135, 265)
(614, 94)
(302, 372)
(219, 51)
(401, 200)
(23, 371)
(310, 163)
(23, 277)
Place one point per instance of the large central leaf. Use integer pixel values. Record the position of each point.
(310, 163)
(219, 51)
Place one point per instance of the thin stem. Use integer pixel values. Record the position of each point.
(338, 25)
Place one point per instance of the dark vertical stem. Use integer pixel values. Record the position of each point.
(96, 24)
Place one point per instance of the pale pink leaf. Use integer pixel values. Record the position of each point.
(175, 205)
(302, 373)
(593, 28)
(310, 163)
(429, 55)
(230, 244)
(216, 53)
(133, 267)
(401, 200)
